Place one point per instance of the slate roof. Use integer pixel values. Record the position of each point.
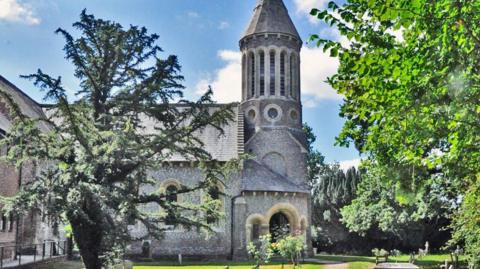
(257, 177)
(222, 147)
(27, 105)
(271, 16)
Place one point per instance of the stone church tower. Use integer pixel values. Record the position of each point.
(274, 190)
(271, 90)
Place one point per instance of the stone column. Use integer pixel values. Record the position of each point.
(239, 229)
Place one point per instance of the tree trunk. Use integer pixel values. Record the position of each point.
(70, 248)
(89, 240)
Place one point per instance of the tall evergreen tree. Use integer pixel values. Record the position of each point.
(99, 150)
(315, 159)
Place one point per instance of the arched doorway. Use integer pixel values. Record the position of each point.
(279, 226)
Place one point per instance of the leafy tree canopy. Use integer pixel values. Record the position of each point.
(411, 85)
(98, 151)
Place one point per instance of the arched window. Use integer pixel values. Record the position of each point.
(171, 195)
(292, 76)
(256, 231)
(252, 74)
(282, 74)
(272, 72)
(262, 73)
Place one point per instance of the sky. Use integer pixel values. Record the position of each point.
(204, 34)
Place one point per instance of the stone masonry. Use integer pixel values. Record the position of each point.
(268, 195)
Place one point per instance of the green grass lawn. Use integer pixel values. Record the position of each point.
(360, 265)
(79, 265)
(362, 262)
(354, 262)
(221, 266)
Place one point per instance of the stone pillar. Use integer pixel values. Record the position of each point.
(239, 243)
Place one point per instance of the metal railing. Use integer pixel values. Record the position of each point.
(12, 256)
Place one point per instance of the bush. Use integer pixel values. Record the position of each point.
(379, 252)
(261, 250)
(291, 247)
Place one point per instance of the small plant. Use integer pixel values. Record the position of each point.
(380, 253)
(291, 247)
(261, 250)
(395, 253)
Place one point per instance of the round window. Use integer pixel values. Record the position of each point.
(294, 115)
(273, 113)
(251, 114)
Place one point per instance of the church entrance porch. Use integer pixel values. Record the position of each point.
(279, 226)
(280, 220)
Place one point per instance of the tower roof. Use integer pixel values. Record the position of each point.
(271, 16)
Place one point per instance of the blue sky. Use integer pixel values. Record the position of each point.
(203, 33)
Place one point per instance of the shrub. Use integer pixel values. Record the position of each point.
(291, 247)
(261, 250)
(379, 252)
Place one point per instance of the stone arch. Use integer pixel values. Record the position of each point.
(168, 187)
(289, 211)
(256, 225)
(171, 181)
(276, 162)
(303, 225)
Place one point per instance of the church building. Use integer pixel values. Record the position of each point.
(269, 195)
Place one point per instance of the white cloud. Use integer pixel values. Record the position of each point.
(305, 6)
(227, 81)
(223, 25)
(16, 11)
(316, 67)
(193, 14)
(345, 165)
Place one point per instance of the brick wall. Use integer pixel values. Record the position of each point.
(9, 183)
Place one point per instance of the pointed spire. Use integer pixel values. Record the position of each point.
(271, 16)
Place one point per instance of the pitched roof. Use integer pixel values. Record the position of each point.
(271, 16)
(221, 146)
(257, 177)
(27, 105)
